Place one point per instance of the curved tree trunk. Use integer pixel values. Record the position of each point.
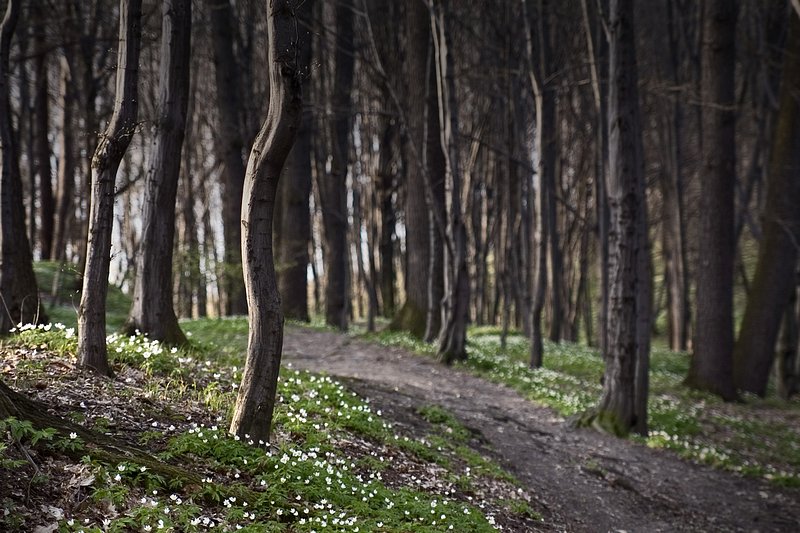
(254, 405)
(152, 309)
(774, 278)
(711, 365)
(18, 289)
(92, 352)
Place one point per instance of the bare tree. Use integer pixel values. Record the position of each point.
(774, 277)
(455, 305)
(254, 405)
(617, 411)
(229, 144)
(711, 366)
(92, 351)
(538, 67)
(152, 308)
(333, 187)
(18, 290)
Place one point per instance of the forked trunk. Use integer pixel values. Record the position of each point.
(92, 352)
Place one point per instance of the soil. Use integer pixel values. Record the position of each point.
(581, 480)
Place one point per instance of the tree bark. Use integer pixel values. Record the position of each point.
(92, 352)
(788, 356)
(333, 192)
(42, 127)
(152, 309)
(384, 183)
(455, 304)
(65, 186)
(296, 212)
(618, 411)
(538, 68)
(252, 417)
(421, 141)
(18, 289)
(774, 277)
(229, 144)
(711, 364)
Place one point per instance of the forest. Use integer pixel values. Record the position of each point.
(380, 265)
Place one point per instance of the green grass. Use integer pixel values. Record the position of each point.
(62, 303)
(324, 470)
(759, 438)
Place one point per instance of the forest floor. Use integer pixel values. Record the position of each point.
(580, 480)
(423, 447)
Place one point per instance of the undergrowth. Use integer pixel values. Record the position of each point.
(335, 463)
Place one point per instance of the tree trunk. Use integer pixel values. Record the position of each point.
(455, 304)
(421, 142)
(42, 144)
(711, 365)
(385, 190)
(296, 223)
(545, 196)
(229, 144)
(617, 411)
(92, 352)
(774, 278)
(152, 309)
(18, 289)
(788, 356)
(296, 226)
(252, 417)
(65, 187)
(333, 191)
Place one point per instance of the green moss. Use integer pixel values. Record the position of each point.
(410, 318)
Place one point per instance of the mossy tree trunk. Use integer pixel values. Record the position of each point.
(256, 400)
(774, 278)
(152, 310)
(618, 410)
(92, 351)
(421, 142)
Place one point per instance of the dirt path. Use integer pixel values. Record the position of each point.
(585, 481)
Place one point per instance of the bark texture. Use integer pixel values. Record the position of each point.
(19, 293)
(65, 184)
(773, 282)
(617, 411)
(711, 365)
(229, 145)
(252, 417)
(92, 351)
(333, 190)
(455, 304)
(152, 309)
(296, 212)
(423, 155)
